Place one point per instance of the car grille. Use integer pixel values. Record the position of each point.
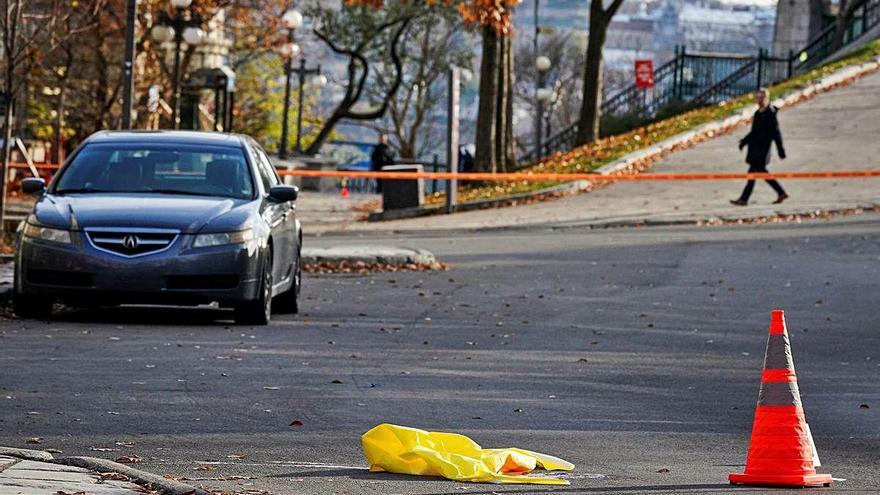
(131, 242)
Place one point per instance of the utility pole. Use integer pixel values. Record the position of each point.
(452, 136)
(128, 67)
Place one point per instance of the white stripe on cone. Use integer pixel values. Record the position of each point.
(816, 462)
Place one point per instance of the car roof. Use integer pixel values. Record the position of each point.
(168, 137)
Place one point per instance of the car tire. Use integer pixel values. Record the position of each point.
(288, 301)
(258, 311)
(32, 308)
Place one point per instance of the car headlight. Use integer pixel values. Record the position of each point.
(223, 238)
(47, 234)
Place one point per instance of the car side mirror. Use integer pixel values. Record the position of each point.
(33, 185)
(283, 194)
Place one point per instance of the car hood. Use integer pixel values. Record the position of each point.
(189, 214)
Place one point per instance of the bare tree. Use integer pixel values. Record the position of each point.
(433, 44)
(361, 33)
(28, 32)
(564, 78)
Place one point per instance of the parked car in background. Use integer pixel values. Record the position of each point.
(162, 217)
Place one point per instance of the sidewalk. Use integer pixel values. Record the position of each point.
(320, 212)
(26, 477)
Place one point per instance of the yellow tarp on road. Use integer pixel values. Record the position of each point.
(398, 449)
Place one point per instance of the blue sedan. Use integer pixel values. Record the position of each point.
(170, 217)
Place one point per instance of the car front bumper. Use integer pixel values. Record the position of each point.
(80, 273)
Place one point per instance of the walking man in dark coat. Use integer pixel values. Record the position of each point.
(765, 131)
(381, 157)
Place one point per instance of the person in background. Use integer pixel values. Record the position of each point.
(381, 157)
(465, 159)
(765, 131)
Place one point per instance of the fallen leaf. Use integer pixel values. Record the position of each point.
(663, 470)
(102, 449)
(296, 423)
(336, 381)
(129, 459)
(204, 469)
(864, 406)
(114, 476)
(34, 440)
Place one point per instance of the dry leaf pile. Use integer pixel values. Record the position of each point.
(359, 267)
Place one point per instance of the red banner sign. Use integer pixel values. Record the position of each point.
(644, 74)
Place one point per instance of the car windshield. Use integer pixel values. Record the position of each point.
(159, 169)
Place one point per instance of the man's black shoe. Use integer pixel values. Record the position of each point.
(780, 199)
(739, 202)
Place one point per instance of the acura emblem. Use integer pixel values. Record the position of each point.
(130, 241)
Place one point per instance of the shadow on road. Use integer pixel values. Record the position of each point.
(363, 474)
(146, 315)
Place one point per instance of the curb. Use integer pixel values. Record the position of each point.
(27, 454)
(368, 255)
(155, 482)
(639, 159)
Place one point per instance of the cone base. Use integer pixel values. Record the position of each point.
(790, 480)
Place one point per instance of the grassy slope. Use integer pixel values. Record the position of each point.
(592, 156)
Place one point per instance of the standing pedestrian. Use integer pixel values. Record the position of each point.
(381, 157)
(765, 131)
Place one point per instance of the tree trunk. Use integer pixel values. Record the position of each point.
(591, 106)
(501, 100)
(486, 159)
(509, 137)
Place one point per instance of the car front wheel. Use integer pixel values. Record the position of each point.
(258, 311)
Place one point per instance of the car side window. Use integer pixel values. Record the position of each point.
(266, 169)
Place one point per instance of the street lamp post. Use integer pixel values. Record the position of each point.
(180, 29)
(542, 95)
(291, 20)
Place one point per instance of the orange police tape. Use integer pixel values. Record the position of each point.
(549, 177)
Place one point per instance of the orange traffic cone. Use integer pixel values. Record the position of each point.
(781, 451)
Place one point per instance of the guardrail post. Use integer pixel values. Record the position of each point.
(790, 63)
(452, 136)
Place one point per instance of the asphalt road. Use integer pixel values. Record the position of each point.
(671, 323)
